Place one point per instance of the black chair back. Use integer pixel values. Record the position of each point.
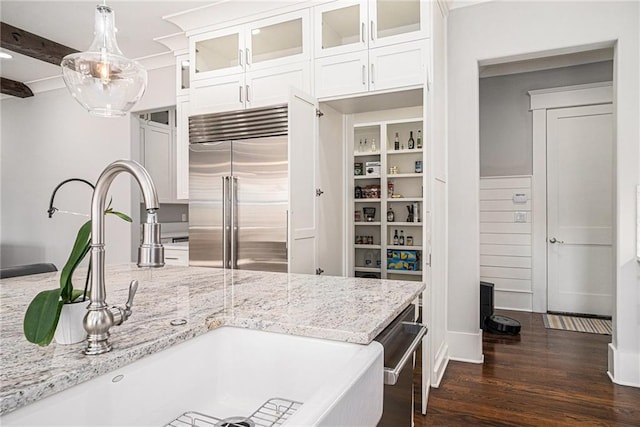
(26, 270)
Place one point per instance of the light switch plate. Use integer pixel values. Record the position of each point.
(519, 198)
(519, 216)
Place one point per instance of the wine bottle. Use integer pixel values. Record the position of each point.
(411, 144)
(401, 239)
(391, 216)
(373, 145)
(419, 140)
(395, 238)
(396, 142)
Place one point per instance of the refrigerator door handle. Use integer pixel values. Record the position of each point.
(225, 221)
(234, 221)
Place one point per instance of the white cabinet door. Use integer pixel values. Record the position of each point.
(303, 157)
(342, 74)
(182, 148)
(272, 86)
(157, 158)
(398, 65)
(277, 41)
(217, 94)
(217, 53)
(340, 27)
(393, 21)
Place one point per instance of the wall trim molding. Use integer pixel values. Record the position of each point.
(571, 96)
(441, 361)
(541, 101)
(627, 367)
(465, 347)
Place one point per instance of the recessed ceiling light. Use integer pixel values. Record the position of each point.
(4, 55)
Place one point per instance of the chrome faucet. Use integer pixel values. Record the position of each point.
(100, 317)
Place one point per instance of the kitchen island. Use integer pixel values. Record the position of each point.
(334, 308)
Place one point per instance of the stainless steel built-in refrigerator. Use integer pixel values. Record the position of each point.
(238, 189)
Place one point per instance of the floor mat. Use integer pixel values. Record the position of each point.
(577, 324)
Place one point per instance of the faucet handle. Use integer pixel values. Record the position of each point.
(120, 315)
(133, 288)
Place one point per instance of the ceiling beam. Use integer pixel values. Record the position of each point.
(14, 88)
(29, 44)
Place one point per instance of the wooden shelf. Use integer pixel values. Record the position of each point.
(366, 177)
(404, 247)
(359, 246)
(402, 199)
(366, 200)
(404, 224)
(367, 223)
(367, 153)
(405, 272)
(404, 175)
(405, 151)
(367, 269)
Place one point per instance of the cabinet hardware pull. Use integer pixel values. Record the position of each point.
(240, 94)
(247, 93)
(362, 33)
(372, 74)
(363, 75)
(391, 374)
(372, 29)
(240, 57)
(248, 59)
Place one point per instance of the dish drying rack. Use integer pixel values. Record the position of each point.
(273, 412)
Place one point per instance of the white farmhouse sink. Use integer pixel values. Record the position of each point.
(227, 372)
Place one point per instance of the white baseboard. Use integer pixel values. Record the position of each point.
(440, 364)
(465, 347)
(624, 367)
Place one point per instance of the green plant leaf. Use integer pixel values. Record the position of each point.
(120, 215)
(79, 251)
(41, 317)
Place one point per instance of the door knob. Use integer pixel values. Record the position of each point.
(554, 240)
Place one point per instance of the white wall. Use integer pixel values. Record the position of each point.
(46, 139)
(506, 132)
(509, 29)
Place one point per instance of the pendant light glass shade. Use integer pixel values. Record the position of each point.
(102, 80)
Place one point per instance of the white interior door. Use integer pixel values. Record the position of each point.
(303, 160)
(580, 209)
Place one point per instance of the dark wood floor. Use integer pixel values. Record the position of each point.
(543, 377)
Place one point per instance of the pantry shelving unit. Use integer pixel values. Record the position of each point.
(382, 190)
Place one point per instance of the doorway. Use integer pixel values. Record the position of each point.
(513, 239)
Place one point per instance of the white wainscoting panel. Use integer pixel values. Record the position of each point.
(505, 240)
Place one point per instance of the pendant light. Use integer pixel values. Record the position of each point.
(101, 79)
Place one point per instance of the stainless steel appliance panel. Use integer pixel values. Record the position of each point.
(261, 189)
(209, 169)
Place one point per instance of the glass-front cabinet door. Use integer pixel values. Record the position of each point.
(340, 27)
(270, 42)
(351, 25)
(278, 40)
(393, 21)
(217, 53)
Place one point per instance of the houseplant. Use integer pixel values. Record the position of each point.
(43, 313)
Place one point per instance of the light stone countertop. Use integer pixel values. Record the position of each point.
(335, 308)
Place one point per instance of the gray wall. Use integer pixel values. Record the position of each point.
(506, 122)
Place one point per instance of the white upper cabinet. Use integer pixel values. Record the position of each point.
(349, 26)
(363, 46)
(270, 42)
(251, 65)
